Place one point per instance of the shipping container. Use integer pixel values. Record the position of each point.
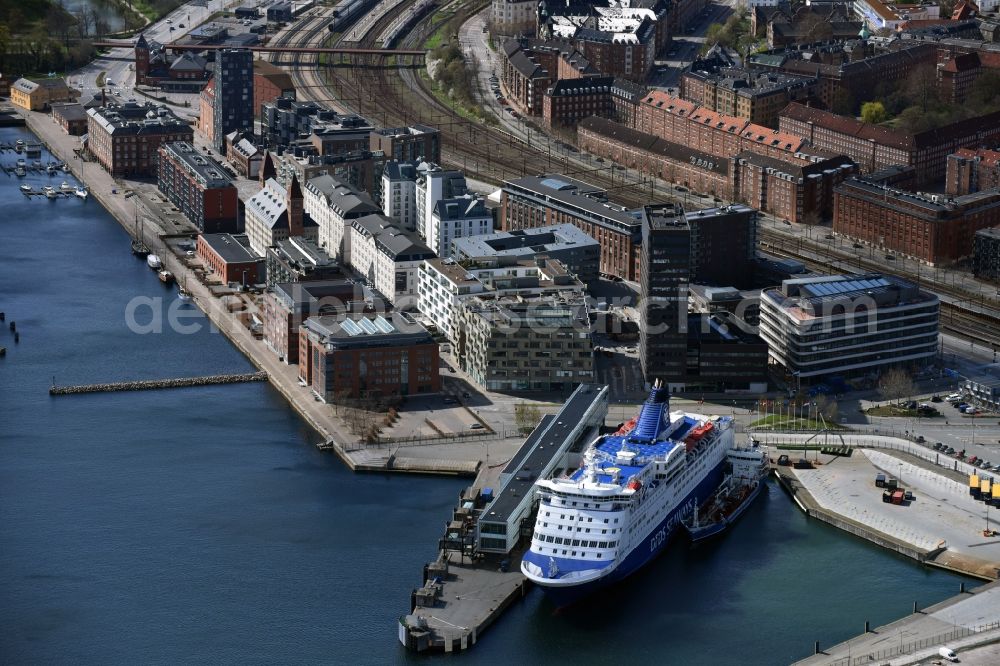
(973, 484)
(892, 484)
(880, 480)
(984, 488)
(886, 496)
(897, 497)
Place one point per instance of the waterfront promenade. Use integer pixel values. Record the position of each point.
(446, 458)
(962, 622)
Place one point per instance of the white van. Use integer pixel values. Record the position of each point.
(948, 654)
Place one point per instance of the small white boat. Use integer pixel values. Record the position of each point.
(19, 146)
(52, 194)
(47, 189)
(65, 167)
(26, 189)
(81, 192)
(154, 262)
(51, 169)
(20, 172)
(66, 187)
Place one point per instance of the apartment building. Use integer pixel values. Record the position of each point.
(456, 218)
(387, 257)
(276, 214)
(333, 204)
(198, 186)
(126, 138)
(399, 193)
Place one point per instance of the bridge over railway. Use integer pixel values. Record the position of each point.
(341, 54)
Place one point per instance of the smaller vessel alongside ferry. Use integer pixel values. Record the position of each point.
(154, 262)
(66, 187)
(81, 192)
(739, 488)
(26, 189)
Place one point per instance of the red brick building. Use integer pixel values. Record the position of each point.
(360, 357)
(288, 304)
(569, 101)
(269, 83)
(875, 147)
(972, 171)
(206, 111)
(228, 257)
(956, 75)
(198, 186)
(789, 190)
(670, 161)
(541, 201)
(937, 230)
(126, 138)
(71, 117)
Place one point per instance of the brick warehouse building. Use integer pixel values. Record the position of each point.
(569, 101)
(673, 162)
(542, 201)
(791, 187)
(933, 229)
(356, 356)
(875, 147)
(972, 171)
(125, 138)
(199, 186)
(229, 257)
(269, 83)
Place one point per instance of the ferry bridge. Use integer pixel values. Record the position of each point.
(339, 55)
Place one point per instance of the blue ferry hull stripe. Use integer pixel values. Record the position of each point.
(643, 552)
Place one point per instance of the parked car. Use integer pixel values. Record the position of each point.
(476, 426)
(935, 398)
(858, 246)
(950, 450)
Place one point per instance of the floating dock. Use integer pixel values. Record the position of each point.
(154, 384)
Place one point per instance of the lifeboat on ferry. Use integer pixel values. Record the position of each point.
(627, 427)
(696, 435)
(634, 484)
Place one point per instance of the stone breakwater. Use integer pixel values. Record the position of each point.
(152, 384)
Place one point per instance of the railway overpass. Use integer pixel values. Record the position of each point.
(339, 54)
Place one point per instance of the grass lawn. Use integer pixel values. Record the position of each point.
(780, 422)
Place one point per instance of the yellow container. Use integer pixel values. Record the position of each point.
(996, 491)
(984, 487)
(973, 481)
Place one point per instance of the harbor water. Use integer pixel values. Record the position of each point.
(201, 525)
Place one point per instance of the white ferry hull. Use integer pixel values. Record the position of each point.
(565, 592)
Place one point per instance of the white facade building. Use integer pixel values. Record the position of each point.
(444, 284)
(387, 257)
(399, 193)
(332, 204)
(434, 184)
(848, 324)
(514, 17)
(457, 218)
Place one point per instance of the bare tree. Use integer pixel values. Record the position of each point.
(896, 384)
(526, 417)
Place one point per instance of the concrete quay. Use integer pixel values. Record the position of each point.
(942, 527)
(449, 459)
(963, 623)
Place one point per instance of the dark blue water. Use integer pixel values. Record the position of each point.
(202, 525)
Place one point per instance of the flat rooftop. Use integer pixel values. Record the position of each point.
(229, 247)
(577, 197)
(545, 441)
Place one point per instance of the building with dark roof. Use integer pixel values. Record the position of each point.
(875, 147)
(568, 101)
(756, 96)
(234, 93)
(986, 254)
(229, 256)
(387, 257)
(538, 201)
(288, 304)
(332, 203)
(126, 138)
(71, 117)
(367, 357)
(198, 186)
(848, 325)
(454, 218)
(580, 253)
(298, 259)
(972, 170)
(407, 144)
(936, 229)
(724, 355)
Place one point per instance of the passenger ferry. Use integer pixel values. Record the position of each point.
(617, 512)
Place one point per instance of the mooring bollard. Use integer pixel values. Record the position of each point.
(816, 647)
(867, 630)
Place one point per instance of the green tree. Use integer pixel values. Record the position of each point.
(874, 113)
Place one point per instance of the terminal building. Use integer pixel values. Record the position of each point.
(553, 447)
(848, 325)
